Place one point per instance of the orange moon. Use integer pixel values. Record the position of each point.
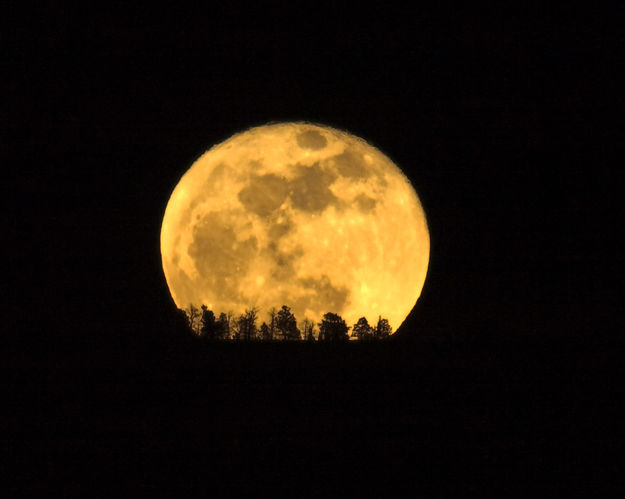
(296, 214)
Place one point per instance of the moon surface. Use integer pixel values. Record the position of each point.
(301, 215)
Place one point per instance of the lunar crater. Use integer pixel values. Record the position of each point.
(216, 250)
(311, 139)
(351, 164)
(365, 203)
(264, 194)
(310, 189)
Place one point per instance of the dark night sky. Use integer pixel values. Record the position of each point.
(506, 122)
(504, 127)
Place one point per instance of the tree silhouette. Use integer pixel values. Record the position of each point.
(222, 327)
(273, 313)
(286, 324)
(333, 328)
(383, 329)
(234, 329)
(362, 330)
(309, 330)
(265, 333)
(282, 325)
(247, 325)
(209, 324)
(194, 317)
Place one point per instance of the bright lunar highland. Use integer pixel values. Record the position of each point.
(301, 215)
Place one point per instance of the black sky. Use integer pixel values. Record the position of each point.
(504, 127)
(506, 121)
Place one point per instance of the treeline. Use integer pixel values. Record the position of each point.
(281, 325)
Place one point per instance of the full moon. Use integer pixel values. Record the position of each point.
(301, 215)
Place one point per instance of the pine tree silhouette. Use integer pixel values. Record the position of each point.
(333, 328)
(286, 324)
(362, 330)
